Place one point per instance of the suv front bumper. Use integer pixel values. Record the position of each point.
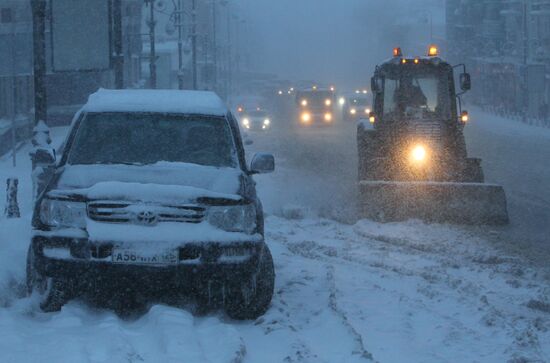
(87, 264)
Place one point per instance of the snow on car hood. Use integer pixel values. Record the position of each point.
(160, 183)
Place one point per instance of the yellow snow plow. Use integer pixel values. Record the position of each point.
(413, 162)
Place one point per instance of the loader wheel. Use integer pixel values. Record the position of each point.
(365, 148)
(473, 172)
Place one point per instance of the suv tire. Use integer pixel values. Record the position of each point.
(53, 293)
(249, 299)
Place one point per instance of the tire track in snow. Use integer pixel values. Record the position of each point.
(457, 270)
(360, 349)
(333, 304)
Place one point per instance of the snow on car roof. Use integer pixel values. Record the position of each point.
(165, 101)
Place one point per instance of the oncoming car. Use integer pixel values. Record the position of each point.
(315, 106)
(152, 194)
(357, 107)
(257, 120)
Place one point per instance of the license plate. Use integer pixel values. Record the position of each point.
(144, 258)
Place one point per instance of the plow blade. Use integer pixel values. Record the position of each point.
(459, 203)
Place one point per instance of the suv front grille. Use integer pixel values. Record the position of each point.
(122, 212)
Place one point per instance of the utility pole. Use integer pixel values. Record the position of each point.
(14, 95)
(119, 56)
(39, 59)
(153, 55)
(229, 56)
(525, 61)
(214, 45)
(179, 24)
(194, 41)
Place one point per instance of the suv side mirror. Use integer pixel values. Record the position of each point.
(465, 82)
(43, 157)
(262, 164)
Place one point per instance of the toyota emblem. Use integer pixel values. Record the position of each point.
(147, 218)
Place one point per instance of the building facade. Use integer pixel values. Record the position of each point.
(506, 44)
(66, 90)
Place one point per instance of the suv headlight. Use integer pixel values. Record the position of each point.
(239, 218)
(62, 213)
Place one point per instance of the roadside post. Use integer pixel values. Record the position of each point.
(12, 207)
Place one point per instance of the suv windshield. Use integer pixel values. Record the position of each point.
(425, 96)
(141, 138)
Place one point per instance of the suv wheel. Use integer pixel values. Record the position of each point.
(250, 298)
(53, 293)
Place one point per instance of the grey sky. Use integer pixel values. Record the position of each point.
(332, 40)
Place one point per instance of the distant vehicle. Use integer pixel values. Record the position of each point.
(315, 106)
(356, 107)
(256, 120)
(414, 163)
(247, 104)
(151, 194)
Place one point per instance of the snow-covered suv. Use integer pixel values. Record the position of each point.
(151, 192)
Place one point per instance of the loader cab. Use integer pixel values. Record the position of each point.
(417, 89)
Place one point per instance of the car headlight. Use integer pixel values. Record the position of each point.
(267, 122)
(328, 102)
(342, 101)
(62, 213)
(328, 116)
(306, 117)
(353, 111)
(239, 218)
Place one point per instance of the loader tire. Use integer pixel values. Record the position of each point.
(365, 151)
(473, 172)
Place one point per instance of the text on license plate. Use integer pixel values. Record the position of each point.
(137, 257)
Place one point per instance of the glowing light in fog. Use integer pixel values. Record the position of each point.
(419, 153)
(342, 101)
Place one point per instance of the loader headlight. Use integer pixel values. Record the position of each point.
(238, 218)
(62, 213)
(267, 122)
(341, 101)
(353, 111)
(328, 117)
(246, 123)
(419, 153)
(306, 117)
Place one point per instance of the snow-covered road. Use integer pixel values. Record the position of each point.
(353, 292)
(517, 156)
